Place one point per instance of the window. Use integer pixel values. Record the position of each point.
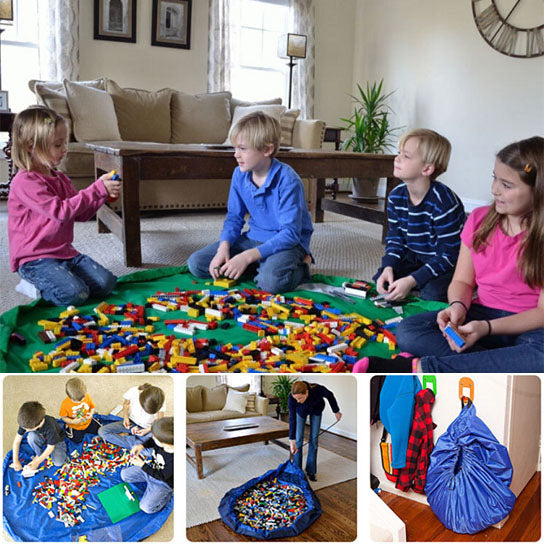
(257, 72)
(20, 60)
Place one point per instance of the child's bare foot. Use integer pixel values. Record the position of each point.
(307, 260)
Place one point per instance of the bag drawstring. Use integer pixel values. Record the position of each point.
(306, 443)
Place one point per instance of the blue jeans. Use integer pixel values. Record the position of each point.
(37, 443)
(434, 289)
(311, 459)
(278, 273)
(420, 335)
(66, 282)
(112, 433)
(156, 494)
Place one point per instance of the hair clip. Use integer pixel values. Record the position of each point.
(48, 120)
(528, 169)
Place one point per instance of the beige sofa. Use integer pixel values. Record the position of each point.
(100, 110)
(208, 403)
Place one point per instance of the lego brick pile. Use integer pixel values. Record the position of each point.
(291, 334)
(64, 493)
(270, 505)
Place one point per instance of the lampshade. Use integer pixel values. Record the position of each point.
(292, 45)
(6, 10)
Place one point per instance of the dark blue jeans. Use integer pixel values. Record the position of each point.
(420, 335)
(434, 289)
(66, 282)
(311, 459)
(278, 273)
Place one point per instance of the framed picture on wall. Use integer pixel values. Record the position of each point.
(171, 23)
(115, 20)
(4, 106)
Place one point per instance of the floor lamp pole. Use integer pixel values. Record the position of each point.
(291, 64)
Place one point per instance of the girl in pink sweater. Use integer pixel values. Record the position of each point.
(42, 208)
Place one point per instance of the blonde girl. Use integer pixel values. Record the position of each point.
(42, 208)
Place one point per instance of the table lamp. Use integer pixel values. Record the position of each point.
(292, 46)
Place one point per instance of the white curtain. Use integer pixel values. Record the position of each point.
(254, 381)
(302, 14)
(219, 44)
(58, 31)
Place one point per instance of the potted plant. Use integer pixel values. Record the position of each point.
(282, 389)
(369, 131)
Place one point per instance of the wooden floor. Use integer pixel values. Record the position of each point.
(422, 525)
(338, 522)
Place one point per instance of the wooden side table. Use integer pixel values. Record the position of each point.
(333, 134)
(6, 122)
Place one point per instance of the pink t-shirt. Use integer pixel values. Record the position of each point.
(41, 215)
(500, 283)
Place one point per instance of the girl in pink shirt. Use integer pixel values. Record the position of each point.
(42, 208)
(502, 255)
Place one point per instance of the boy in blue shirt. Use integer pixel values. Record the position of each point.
(425, 218)
(277, 244)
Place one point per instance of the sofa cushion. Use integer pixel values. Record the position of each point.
(142, 116)
(216, 415)
(214, 398)
(193, 397)
(236, 401)
(287, 123)
(235, 102)
(53, 95)
(242, 388)
(200, 119)
(274, 110)
(84, 103)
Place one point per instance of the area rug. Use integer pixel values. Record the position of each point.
(231, 467)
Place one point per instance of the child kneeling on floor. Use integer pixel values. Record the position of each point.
(277, 244)
(157, 473)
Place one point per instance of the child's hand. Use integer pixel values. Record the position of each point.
(140, 432)
(135, 450)
(17, 465)
(471, 333)
(387, 276)
(236, 266)
(113, 186)
(137, 461)
(34, 464)
(400, 289)
(221, 257)
(126, 423)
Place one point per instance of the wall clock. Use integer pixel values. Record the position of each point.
(511, 27)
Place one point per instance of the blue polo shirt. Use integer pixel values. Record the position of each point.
(278, 213)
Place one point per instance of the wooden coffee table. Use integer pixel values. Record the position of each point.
(212, 435)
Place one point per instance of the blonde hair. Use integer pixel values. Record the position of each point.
(433, 148)
(32, 134)
(526, 157)
(260, 131)
(75, 389)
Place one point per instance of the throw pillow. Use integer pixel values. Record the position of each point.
(250, 406)
(143, 116)
(200, 118)
(214, 398)
(193, 396)
(287, 122)
(236, 401)
(242, 388)
(234, 103)
(274, 110)
(92, 111)
(53, 95)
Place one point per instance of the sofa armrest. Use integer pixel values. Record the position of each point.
(261, 405)
(308, 133)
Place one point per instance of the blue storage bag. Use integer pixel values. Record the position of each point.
(287, 473)
(469, 476)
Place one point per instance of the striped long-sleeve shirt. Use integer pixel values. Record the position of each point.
(431, 230)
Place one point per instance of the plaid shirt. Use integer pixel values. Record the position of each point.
(420, 445)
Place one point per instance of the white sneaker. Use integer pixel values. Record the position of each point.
(28, 289)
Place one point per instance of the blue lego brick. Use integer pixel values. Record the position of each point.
(454, 335)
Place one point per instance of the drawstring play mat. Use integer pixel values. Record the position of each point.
(278, 504)
(469, 476)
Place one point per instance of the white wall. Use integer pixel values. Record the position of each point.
(141, 64)
(448, 79)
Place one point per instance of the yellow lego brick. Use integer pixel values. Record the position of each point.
(226, 283)
(218, 368)
(103, 370)
(193, 312)
(85, 369)
(154, 318)
(38, 366)
(154, 367)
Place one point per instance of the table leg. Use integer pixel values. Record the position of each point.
(317, 193)
(198, 458)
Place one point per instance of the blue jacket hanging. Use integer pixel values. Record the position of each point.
(469, 476)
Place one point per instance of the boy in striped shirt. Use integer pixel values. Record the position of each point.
(425, 219)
